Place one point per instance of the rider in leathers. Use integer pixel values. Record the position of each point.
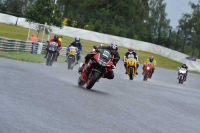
(113, 48)
(59, 47)
(131, 51)
(77, 44)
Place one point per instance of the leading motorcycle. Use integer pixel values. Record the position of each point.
(52, 53)
(131, 66)
(182, 75)
(96, 68)
(148, 67)
(72, 57)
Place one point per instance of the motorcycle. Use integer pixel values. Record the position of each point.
(182, 75)
(131, 66)
(148, 70)
(52, 53)
(72, 57)
(96, 68)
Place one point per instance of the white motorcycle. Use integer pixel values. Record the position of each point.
(182, 75)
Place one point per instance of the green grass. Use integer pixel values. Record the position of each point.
(28, 57)
(20, 33)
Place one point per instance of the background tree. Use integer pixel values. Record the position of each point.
(12, 7)
(42, 12)
(157, 22)
(190, 26)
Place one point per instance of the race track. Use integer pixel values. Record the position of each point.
(35, 98)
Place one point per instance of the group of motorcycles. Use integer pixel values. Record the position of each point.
(131, 68)
(99, 65)
(52, 53)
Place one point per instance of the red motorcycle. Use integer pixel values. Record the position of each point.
(96, 68)
(148, 70)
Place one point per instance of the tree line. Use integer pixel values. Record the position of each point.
(144, 20)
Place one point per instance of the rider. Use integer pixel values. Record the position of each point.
(186, 67)
(77, 44)
(113, 48)
(152, 60)
(59, 47)
(131, 51)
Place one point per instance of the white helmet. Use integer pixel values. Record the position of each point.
(113, 47)
(77, 39)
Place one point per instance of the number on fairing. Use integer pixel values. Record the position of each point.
(106, 53)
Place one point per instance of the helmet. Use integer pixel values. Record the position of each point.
(56, 37)
(113, 47)
(77, 39)
(101, 45)
(151, 58)
(184, 65)
(130, 49)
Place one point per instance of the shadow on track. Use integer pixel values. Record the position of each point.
(93, 91)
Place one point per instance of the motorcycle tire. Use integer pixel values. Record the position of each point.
(93, 79)
(48, 63)
(69, 62)
(131, 73)
(181, 78)
(80, 82)
(146, 75)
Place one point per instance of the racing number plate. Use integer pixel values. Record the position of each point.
(106, 53)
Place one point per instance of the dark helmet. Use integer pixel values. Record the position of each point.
(184, 65)
(77, 39)
(130, 49)
(151, 58)
(56, 37)
(113, 47)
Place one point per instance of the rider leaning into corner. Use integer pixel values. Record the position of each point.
(152, 60)
(77, 44)
(113, 48)
(186, 67)
(59, 47)
(131, 51)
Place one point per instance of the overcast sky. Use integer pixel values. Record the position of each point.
(175, 8)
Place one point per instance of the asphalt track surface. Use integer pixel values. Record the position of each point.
(35, 98)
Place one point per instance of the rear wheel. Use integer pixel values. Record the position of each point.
(93, 79)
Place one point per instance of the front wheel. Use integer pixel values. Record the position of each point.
(181, 78)
(48, 62)
(93, 79)
(69, 62)
(146, 75)
(131, 73)
(80, 82)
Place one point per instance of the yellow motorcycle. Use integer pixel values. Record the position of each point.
(131, 66)
(72, 57)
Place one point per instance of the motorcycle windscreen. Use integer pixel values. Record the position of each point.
(105, 55)
(182, 70)
(52, 46)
